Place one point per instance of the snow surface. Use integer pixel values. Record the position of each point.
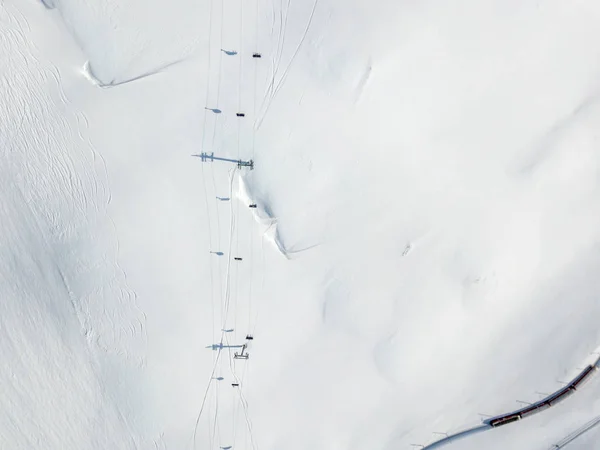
(425, 249)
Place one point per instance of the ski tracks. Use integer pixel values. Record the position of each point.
(275, 84)
(64, 181)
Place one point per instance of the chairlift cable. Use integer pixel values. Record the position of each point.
(208, 215)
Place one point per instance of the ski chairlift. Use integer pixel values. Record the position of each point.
(249, 164)
(240, 114)
(235, 384)
(256, 55)
(241, 355)
(253, 205)
(237, 258)
(249, 337)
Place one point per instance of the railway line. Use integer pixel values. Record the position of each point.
(507, 418)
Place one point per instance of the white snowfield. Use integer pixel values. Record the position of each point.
(425, 246)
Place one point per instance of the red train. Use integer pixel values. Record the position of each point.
(545, 403)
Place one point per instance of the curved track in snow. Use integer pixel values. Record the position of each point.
(456, 436)
(575, 434)
(535, 408)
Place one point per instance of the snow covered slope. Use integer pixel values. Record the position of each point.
(424, 248)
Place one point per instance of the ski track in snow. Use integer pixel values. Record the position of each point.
(52, 166)
(46, 207)
(275, 86)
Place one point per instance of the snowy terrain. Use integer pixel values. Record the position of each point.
(425, 246)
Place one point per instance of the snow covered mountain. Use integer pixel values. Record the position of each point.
(424, 247)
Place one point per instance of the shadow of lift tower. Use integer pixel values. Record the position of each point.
(211, 157)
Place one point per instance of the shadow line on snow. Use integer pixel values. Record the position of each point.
(89, 74)
(575, 434)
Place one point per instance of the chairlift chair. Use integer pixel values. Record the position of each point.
(256, 55)
(241, 355)
(240, 114)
